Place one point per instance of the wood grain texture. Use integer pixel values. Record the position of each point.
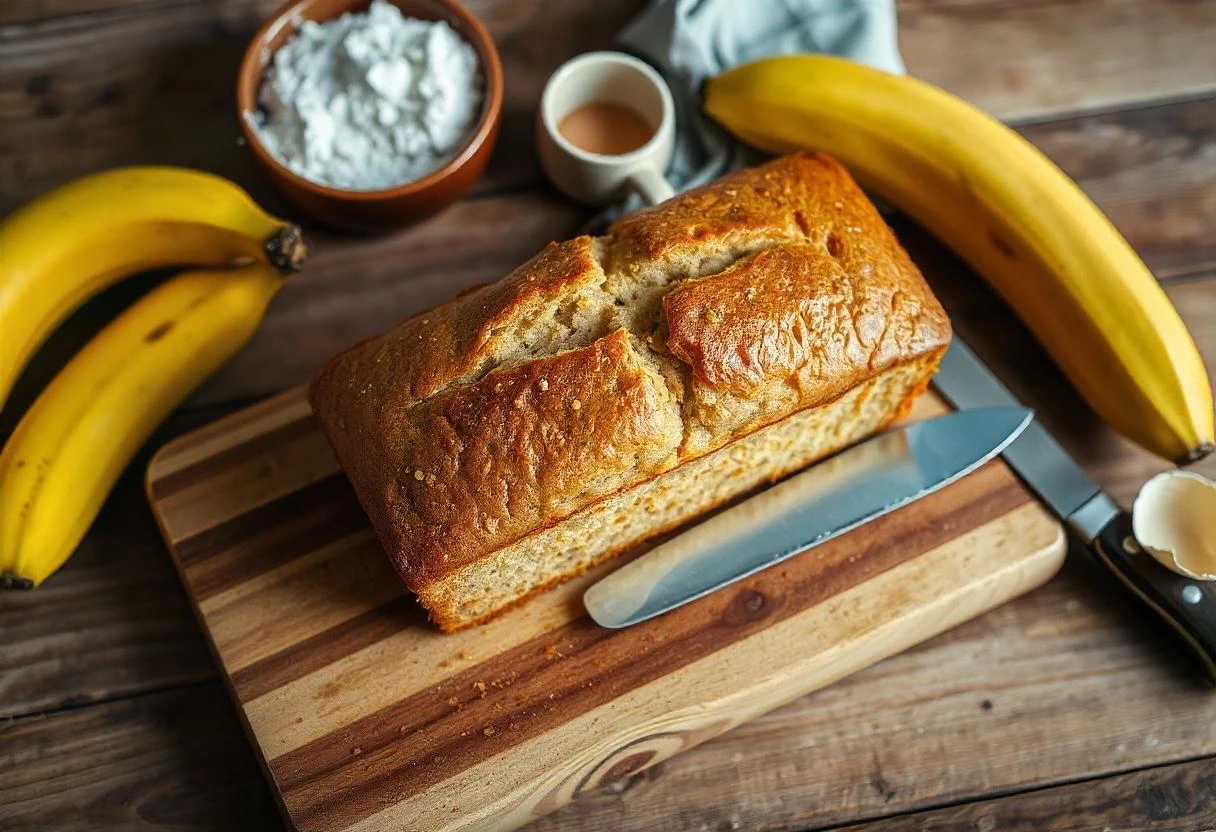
(1033, 60)
(1174, 798)
(368, 718)
(111, 626)
(165, 761)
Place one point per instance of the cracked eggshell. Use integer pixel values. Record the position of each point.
(1174, 520)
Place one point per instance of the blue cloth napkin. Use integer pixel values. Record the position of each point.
(691, 40)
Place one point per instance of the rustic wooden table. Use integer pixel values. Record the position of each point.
(1067, 709)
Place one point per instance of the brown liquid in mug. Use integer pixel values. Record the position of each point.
(604, 128)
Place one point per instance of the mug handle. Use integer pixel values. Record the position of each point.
(651, 185)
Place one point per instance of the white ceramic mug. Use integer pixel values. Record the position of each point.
(613, 78)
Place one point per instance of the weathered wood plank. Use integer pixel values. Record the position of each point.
(1071, 681)
(172, 761)
(35, 11)
(1163, 799)
(1024, 60)
(113, 623)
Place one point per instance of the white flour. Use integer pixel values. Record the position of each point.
(369, 100)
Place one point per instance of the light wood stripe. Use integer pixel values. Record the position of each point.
(271, 534)
(301, 600)
(222, 434)
(256, 481)
(414, 657)
(223, 461)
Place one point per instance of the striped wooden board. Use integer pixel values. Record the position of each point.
(366, 718)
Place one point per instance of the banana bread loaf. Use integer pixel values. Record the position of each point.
(613, 388)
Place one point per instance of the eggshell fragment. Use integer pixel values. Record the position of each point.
(1174, 520)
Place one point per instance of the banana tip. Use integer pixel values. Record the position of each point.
(286, 249)
(1195, 454)
(8, 581)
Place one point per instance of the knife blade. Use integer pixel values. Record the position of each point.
(1096, 522)
(851, 488)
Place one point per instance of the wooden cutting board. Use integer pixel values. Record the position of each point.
(365, 718)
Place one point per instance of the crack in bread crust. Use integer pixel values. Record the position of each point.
(602, 363)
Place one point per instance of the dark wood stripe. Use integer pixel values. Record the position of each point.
(231, 457)
(333, 644)
(270, 535)
(430, 736)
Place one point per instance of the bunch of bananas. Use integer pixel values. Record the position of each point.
(1015, 217)
(71, 445)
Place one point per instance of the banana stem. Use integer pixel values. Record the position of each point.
(285, 249)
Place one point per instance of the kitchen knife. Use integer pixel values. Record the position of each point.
(1189, 606)
(851, 488)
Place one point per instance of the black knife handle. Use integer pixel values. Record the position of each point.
(1187, 605)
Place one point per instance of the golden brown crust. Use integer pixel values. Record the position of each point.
(690, 324)
(499, 457)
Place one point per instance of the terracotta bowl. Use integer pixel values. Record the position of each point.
(371, 211)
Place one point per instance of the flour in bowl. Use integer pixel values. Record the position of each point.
(369, 100)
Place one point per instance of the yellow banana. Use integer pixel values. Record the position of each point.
(78, 436)
(1009, 212)
(69, 244)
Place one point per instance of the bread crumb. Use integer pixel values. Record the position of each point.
(488, 730)
(480, 687)
(552, 652)
(454, 701)
(418, 475)
(430, 479)
(356, 751)
(543, 384)
(576, 404)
